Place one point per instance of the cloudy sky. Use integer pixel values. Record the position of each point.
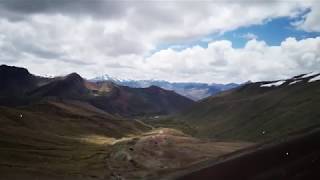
(177, 40)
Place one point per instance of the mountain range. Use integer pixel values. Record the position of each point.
(19, 87)
(71, 128)
(192, 90)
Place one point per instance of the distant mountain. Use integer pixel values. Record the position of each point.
(19, 87)
(115, 99)
(258, 111)
(71, 86)
(15, 81)
(195, 91)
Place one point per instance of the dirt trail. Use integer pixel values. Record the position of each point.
(144, 124)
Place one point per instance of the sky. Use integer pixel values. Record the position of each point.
(219, 41)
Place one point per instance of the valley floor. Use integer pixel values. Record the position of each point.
(144, 156)
(49, 142)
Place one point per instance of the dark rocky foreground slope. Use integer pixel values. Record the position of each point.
(295, 158)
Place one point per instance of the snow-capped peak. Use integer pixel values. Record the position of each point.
(107, 77)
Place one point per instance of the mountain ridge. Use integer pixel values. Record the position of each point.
(108, 96)
(15, 81)
(257, 111)
(192, 90)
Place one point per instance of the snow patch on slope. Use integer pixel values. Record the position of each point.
(294, 82)
(310, 74)
(274, 84)
(316, 78)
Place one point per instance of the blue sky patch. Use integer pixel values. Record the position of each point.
(273, 32)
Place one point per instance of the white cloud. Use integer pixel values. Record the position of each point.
(249, 36)
(115, 38)
(310, 21)
(221, 63)
(134, 28)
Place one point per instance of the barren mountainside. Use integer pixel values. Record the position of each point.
(258, 111)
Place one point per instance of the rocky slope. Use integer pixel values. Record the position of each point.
(258, 111)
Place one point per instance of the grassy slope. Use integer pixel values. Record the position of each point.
(49, 141)
(253, 113)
